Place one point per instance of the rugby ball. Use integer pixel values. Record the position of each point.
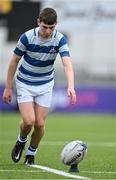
(73, 152)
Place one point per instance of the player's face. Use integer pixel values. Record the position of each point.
(46, 30)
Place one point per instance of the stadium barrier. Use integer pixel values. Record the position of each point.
(89, 100)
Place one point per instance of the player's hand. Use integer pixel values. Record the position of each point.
(7, 96)
(71, 93)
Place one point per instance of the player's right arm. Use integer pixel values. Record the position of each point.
(7, 95)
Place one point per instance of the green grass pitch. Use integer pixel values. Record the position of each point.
(98, 131)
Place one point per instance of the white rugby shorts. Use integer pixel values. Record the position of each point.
(41, 94)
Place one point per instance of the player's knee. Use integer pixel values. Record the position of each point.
(39, 126)
(29, 120)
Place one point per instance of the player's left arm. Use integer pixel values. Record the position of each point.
(70, 78)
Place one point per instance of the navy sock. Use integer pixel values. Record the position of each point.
(31, 150)
(22, 139)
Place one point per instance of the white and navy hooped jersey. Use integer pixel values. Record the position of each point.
(38, 56)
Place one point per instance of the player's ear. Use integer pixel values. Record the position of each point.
(38, 21)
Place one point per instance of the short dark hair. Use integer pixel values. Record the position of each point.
(48, 16)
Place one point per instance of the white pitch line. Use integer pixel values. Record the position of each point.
(61, 173)
(25, 171)
(35, 171)
(99, 172)
(59, 143)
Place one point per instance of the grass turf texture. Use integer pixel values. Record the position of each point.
(97, 130)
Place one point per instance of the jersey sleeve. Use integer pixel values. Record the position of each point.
(21, 45)
(63, 47)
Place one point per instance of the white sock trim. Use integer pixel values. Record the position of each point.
(22, 140)
(29, 152)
